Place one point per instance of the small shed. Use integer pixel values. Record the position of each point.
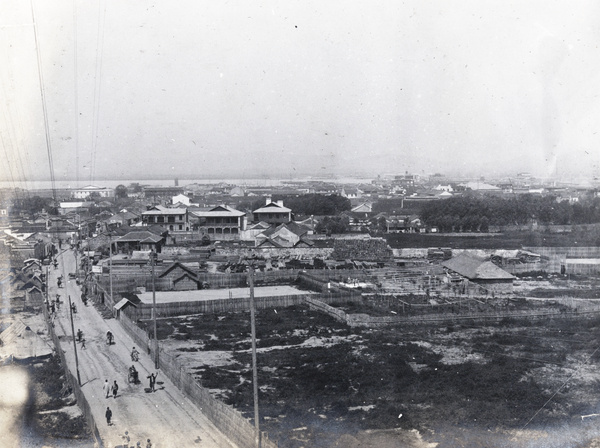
(482, 272)
(126, 301)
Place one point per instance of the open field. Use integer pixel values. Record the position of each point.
(220, 294)
(323, 384)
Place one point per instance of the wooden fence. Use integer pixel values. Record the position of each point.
(234, 305)
(364, 320)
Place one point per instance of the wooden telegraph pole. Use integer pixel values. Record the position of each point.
(74, 343)
(155, 344)
(110, 267)
(254, 372)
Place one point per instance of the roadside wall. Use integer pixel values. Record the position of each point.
(364, 320)
(79, 395)
(234, 305)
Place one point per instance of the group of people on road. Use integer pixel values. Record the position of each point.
(110, 389)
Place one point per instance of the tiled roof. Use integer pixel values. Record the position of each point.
(272, 207)
(476, 269)
(219, 211)
(297, 229)
(166, 211)
(141, 236)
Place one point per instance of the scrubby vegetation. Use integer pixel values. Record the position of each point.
(319, 379)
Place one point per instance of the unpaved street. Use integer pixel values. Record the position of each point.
(166, 416)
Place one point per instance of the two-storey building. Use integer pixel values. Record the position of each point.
(220, 220)
(273, 213)
(171, 219)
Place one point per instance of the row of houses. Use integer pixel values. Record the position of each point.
(219, 220)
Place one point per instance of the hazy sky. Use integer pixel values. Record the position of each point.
(236, 89)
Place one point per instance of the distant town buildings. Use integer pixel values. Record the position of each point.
(92, 191)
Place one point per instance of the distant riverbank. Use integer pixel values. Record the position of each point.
(111, 183)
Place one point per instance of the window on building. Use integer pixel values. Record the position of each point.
(171, 227)
(160, 219)
(180, 227)
(171, 218)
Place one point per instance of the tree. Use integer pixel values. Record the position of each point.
(484, 224)
(337, 224)
(121, 192)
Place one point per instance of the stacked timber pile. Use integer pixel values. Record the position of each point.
(372, 249)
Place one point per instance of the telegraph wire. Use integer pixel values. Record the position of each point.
(10, 171)
(76, 93)
(44, 107)
(559, 389)
(18, 134)
(97, 85)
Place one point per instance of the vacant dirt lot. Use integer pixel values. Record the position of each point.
(323, 384)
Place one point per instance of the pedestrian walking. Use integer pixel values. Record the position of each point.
(106, 388)
(108, 415)
(149, 444)
(152, 378)
(83, 344)
(115, 389)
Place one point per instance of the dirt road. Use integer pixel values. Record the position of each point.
(165, 416)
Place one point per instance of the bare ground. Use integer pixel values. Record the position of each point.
(323, 384)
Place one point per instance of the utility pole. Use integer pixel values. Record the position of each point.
(76, 244)
(254, 372)
(74, 343)
(110, 267)
(155, 344)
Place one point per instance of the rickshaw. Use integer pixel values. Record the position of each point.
(133, 376)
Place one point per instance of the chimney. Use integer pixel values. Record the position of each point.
(267, 200)
(280, 203)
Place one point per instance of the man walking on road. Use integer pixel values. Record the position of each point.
(152, 378)
(106, 388)
(115, 389)
(108, 415)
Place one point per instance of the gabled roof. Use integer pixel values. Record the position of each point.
(269, 243)
(259, 225)
(218, 211)
(272, 207)
(304, 243)
(476, 269)
(160, 210)
(140, 236)
(124, 216)
(296, 229)
(186, 275)
(176, 264)
(365, 207)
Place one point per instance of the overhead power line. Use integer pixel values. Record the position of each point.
(76, 93)
(44, 107)
(97, 85)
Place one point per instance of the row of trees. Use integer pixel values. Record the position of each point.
(473, 213)
(307, 204)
